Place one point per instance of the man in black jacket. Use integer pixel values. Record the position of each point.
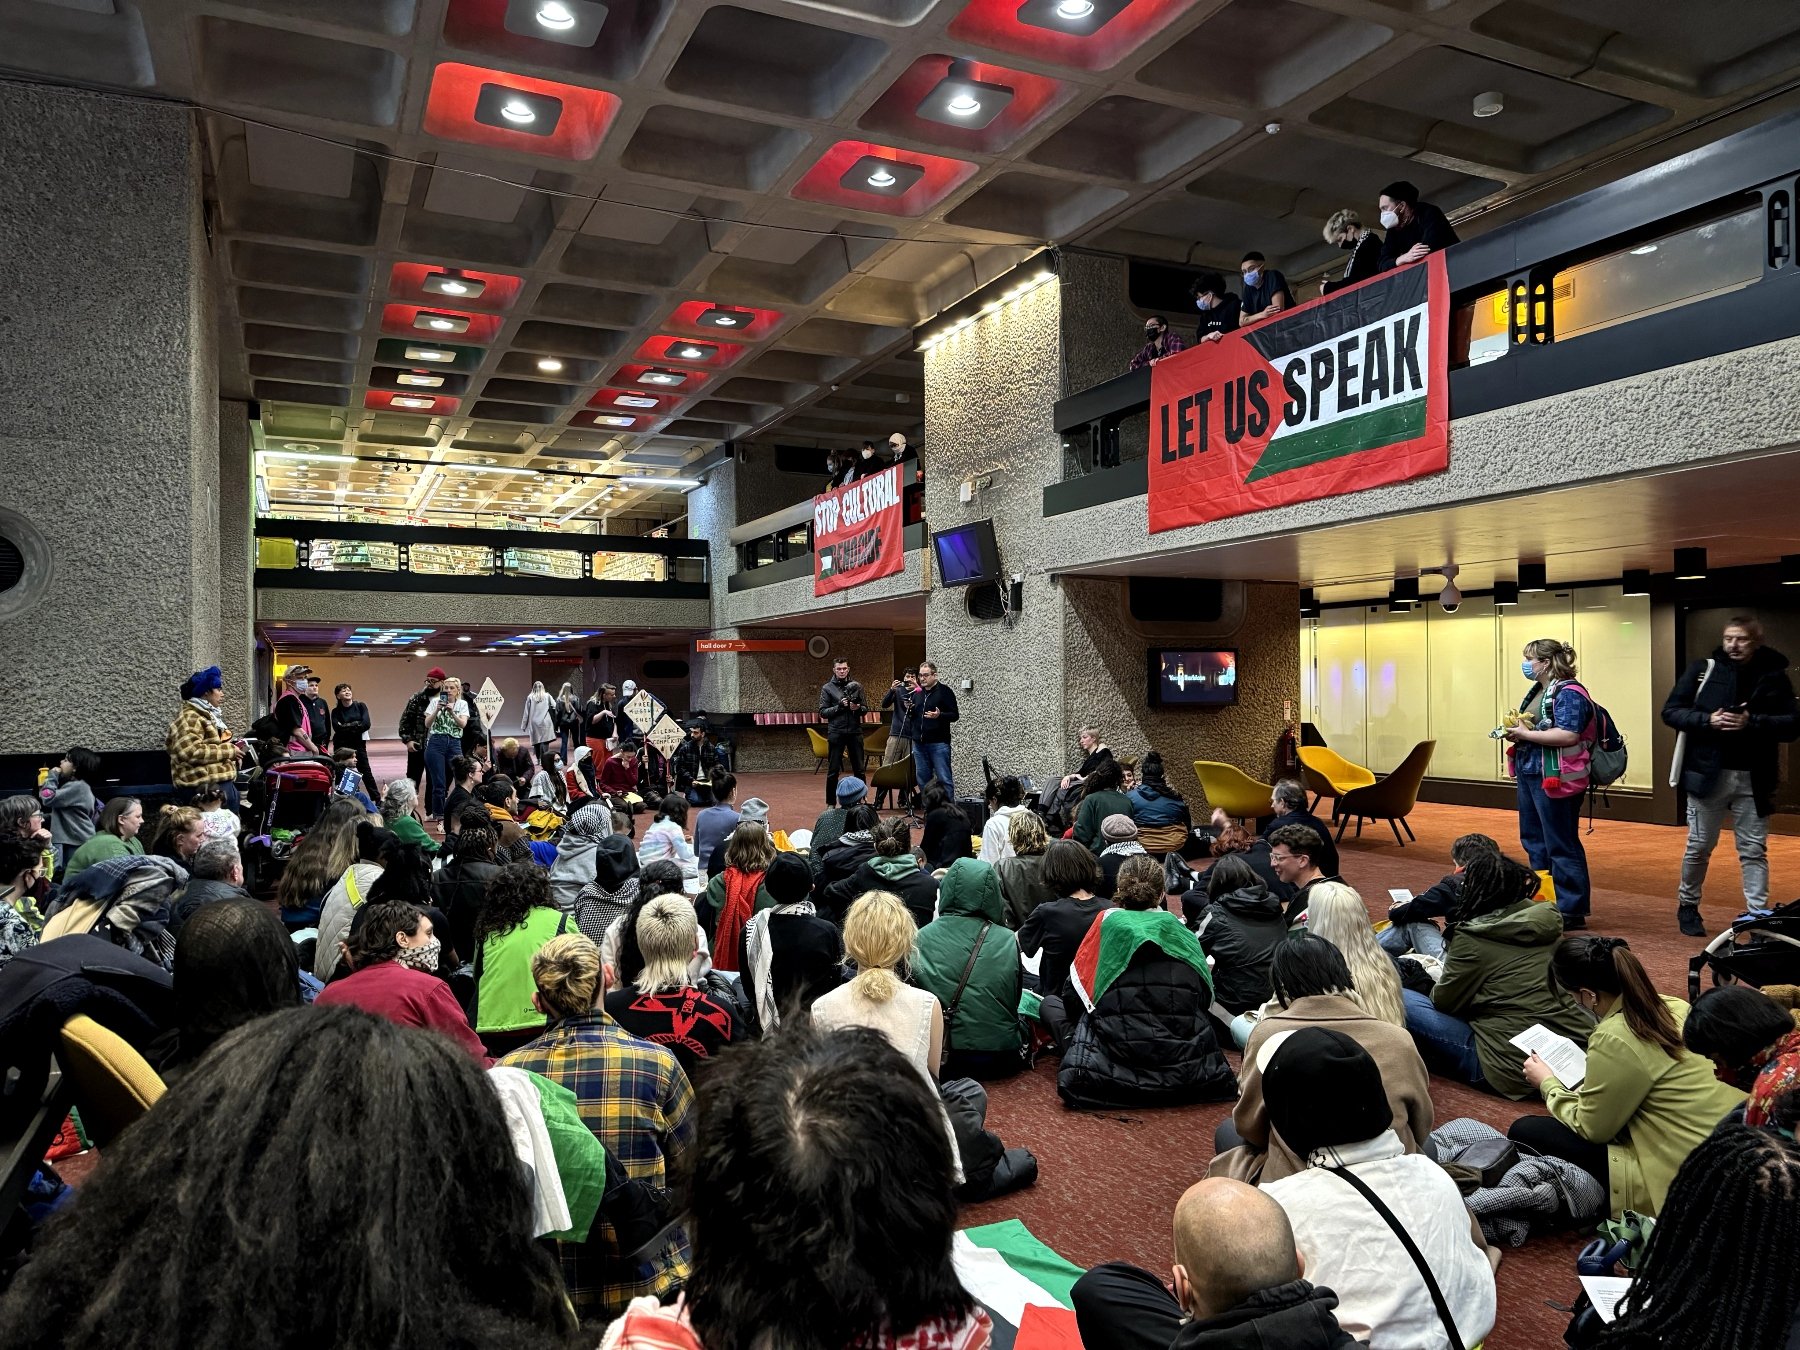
(1414, 228)
(1238, 1284)
(1735, 708)
(842, 705)
(936, 706)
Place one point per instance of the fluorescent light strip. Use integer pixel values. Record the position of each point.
(307, 456)
(640, 481)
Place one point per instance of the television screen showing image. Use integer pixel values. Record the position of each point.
(967, 555)
(1188, 678)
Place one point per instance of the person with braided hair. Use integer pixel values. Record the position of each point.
(1646, 1102)
(1496, 981)
(1711, 1285)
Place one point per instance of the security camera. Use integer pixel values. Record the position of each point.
(1450, 597)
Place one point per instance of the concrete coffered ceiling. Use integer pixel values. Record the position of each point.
(465, 229)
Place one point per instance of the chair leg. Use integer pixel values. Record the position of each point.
(1359, 821)
(1394, 825)
(1317, 798)
(818, 765)
(1342, 821)
(1407, 826)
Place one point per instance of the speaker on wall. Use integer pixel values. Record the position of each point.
(1175, 599)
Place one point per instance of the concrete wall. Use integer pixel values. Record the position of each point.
(525, 609)
(1101, 332)
(237, 562)
(108, 378)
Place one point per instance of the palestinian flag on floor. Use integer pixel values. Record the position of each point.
(1024, 1286)
(1347, 392)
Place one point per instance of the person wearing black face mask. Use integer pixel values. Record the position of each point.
(1346, 230)
(1158, 343)
(1220, 310)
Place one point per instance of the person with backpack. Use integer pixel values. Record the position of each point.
(1549, 758)
(1733, 710)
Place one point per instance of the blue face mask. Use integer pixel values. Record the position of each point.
(1526, 670)
(1252, 278)
(1202, 303)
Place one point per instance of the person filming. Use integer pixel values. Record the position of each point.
(842, 705)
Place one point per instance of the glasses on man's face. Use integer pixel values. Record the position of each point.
(1277, 859)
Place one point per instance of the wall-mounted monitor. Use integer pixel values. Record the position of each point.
(967, 555)
(1186, 677)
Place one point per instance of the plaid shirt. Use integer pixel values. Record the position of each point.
(1171, 343)
(637, 1101)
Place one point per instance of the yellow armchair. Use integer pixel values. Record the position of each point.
(1326, 773)
(1232, 790)
(821, 748)
(113, 1083)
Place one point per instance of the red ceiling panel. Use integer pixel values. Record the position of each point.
(664, 350)
(686, 319)
(403, 321)
(499, 291)
(385, 400)
(995, 23)
(897, 111)
(940, 178)
(455, 89)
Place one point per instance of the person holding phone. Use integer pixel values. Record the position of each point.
(1734, 710)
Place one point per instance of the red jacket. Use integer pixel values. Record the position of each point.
(407, 996)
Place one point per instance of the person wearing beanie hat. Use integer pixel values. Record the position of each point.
(412, 724)
(1326, 1101)
(202, 751)
(790, 955)
(1119, 837)
(829, 826)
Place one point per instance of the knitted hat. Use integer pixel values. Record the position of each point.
(436, 673)
(789, 879)
(1117, 829)
(203, 682)
(754, 809)
(850, 790)
(1314, 1066)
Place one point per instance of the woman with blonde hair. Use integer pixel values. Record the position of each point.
(1336, 913)
(1022, 884)
(1548, 756)
(446, 717)
(179, 834)
(1345, 230)
(879, 941)
(738, 891)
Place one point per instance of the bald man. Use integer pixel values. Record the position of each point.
(1237, 1278)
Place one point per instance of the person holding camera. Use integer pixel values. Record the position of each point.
(1733, 710)
(842, 705)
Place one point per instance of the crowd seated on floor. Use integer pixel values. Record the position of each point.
(608, 1084)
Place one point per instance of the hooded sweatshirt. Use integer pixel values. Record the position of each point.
(1497, 978)
(970, 909)
(901, 875)
(613, 889)
(1240, 931)
(1296, 1316)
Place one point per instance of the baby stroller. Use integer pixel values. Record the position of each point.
(1756, 952)
(290, 794)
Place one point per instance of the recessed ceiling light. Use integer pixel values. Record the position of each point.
(662, 377)
(515, 110)
(1643, 250)
(608, 420)
(451, 281)
(1490, 104)
(961, 100)
(409, 402)
(308, 455)
(692, 351)
(441, 323)
(721, 317)
(884, 177)
(633, 401)
(419, 379)
(421, 652)
(573, 23)
(461, 638)
(429, 354)
(1080, 17)
(549, 365)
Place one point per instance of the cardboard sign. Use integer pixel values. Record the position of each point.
(666, 735)
(490, 700)
(859, 532)
(749, 644)
(1344, 393)
(643, 709)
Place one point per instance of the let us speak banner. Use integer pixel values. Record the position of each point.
(1347, 392)
(859, 532)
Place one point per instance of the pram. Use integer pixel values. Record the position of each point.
(289, 794)
(1756, 952)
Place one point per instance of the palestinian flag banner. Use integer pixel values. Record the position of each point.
(1024, 1286)
(1347, 392)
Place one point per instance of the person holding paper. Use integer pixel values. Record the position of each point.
(1645, 1102)
(1496, 981)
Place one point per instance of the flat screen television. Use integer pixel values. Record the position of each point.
(1186, 677)
(967, 555)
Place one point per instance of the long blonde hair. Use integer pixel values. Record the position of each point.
(1336, 913)
(879, 937)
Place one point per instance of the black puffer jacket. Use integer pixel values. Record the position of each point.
(1240, 931)
(1147, 1042)
(1762, 684)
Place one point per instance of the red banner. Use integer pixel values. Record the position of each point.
(859, 532)
(1347, 392)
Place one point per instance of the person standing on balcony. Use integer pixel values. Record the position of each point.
(1346, 230)
(1414, 228)
(842, 704)
(868, 462)
(1735, 708)
(1220, 310)
(1266, 291)
(1159, 341)
(936, 704)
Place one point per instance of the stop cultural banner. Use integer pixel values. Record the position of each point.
(859, 532)
(1343, 393)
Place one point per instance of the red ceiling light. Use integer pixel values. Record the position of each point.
(433, 285)
(909, 106)
(866, 177)
(400, 401)
(430, 323)
(1085, 34)
(659, 350)
(506, 111)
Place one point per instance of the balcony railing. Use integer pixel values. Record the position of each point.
(1690, 259)
(344, 555)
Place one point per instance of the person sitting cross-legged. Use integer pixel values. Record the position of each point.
(663, 1005)
(1239, 1284)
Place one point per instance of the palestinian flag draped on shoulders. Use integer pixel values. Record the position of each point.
(1115, 938)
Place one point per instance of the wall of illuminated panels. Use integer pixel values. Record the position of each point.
(1375, 684)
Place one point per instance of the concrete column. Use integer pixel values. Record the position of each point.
(237, 561)
(109, 381)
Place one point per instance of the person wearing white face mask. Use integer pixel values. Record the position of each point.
(1414, 228)
(1266, 291)
(868, 463)
(1219, 309)
(294, 714)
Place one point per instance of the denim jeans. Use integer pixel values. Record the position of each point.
(1400, 938)
(1731, 796)
(439, 751)
(1550, 830)
(1446, 1043)
(934, 762)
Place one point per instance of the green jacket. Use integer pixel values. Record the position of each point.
(713, 903)
(1095, 809)
(1649, 1110)
(988, 1016)
(98, 849)
(409, 831)
(1497, 979)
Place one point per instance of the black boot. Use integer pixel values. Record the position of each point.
(1688, 916)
